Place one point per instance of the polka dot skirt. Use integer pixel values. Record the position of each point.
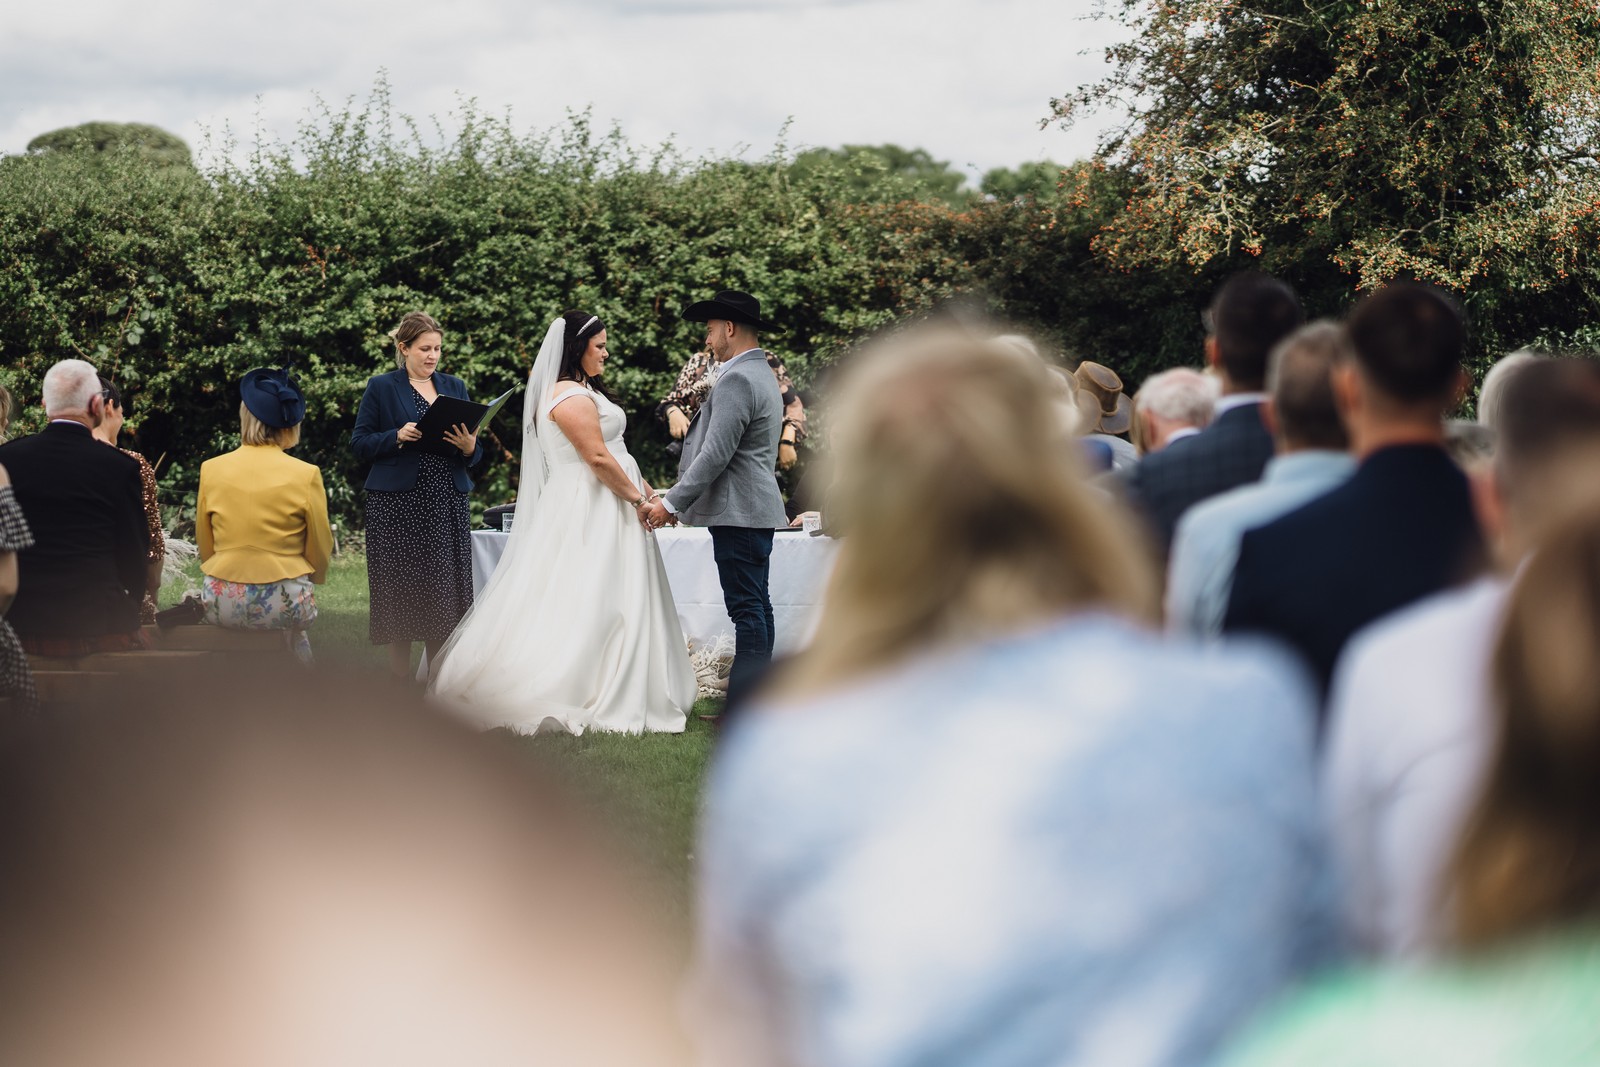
(419, 555)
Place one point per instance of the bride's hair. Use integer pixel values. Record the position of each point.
(966, 511)
(581, 326)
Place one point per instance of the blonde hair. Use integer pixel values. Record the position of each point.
(252, 431)
(412, 326)
(5, 413)
(965, 510)
(1529, 857)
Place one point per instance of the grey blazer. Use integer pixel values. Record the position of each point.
(725, 473)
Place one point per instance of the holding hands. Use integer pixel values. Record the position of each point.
(654, 514)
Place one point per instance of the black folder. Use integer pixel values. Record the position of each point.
(449, 411)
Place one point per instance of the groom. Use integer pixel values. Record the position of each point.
(725, 478)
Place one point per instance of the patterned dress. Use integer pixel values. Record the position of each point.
(158, 534)
(419, 554)
(16, 680)
(694, 382)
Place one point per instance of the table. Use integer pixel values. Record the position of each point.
(800, 567)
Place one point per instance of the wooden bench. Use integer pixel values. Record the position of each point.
(215, 639)
(72, 687)
(102, 675)
(140, 661)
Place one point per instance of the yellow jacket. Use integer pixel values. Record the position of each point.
(262, 516)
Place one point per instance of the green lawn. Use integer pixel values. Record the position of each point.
(646, 788)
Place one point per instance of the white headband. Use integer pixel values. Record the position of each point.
(592, 320)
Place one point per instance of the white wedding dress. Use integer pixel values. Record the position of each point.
(576, 629)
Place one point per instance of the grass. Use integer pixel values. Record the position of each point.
(647, 789)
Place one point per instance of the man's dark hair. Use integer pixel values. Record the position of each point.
(1548, 406)
(1409, 338)
(1300, 379)
(1250, 314)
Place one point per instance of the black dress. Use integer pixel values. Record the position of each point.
(16, 680)
(419, 555)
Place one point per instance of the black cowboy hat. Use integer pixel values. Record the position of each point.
(731, 305)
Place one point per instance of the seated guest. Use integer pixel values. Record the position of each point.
(1252, 312)
(1521, 883)
(987, 817)
(1495, 381)
(1077, 409)
(1312, 458)
(261, 520)
(1410, 725)
(1173, 405)
(109, 430)
(82, 580)
(1402, 526)
(16, 679)
(1108, 413)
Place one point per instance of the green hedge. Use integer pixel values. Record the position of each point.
(176, 281)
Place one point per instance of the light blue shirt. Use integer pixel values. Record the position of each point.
(1086, 844)
(1205, 548)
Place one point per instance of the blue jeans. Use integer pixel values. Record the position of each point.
(743, 556)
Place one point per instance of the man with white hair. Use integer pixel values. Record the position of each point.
(1172, 405)
(80, 584)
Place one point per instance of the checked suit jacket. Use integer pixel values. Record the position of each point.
(1231, 452)
(1401, 528)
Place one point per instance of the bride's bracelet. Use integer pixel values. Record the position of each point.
(641, 502)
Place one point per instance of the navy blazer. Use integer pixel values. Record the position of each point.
(386, 406)
(1231, 452)
(84, 502)
(1400, 529)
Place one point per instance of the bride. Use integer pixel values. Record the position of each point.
(576, 629)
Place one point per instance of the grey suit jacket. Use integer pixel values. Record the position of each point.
(725, 473)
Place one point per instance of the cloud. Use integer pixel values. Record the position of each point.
(968, 80)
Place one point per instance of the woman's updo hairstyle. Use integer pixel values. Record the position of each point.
(581, 327)
(412, 326)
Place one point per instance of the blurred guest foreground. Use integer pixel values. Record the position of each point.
(324, 875)
(990, 816)
(1520, 888)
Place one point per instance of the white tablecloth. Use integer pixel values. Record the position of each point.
(800, 566)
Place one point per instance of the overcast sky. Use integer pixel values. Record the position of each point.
(969, 80)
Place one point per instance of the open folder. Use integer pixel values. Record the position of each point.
(447, 412)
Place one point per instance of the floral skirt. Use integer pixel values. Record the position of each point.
(289, 605)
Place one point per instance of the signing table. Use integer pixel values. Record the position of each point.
(800, 566)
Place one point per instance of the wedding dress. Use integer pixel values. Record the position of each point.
(576, 629)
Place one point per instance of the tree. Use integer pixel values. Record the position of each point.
(1039, 179)
(152, 142)
(1348, 142)
(879, 173)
